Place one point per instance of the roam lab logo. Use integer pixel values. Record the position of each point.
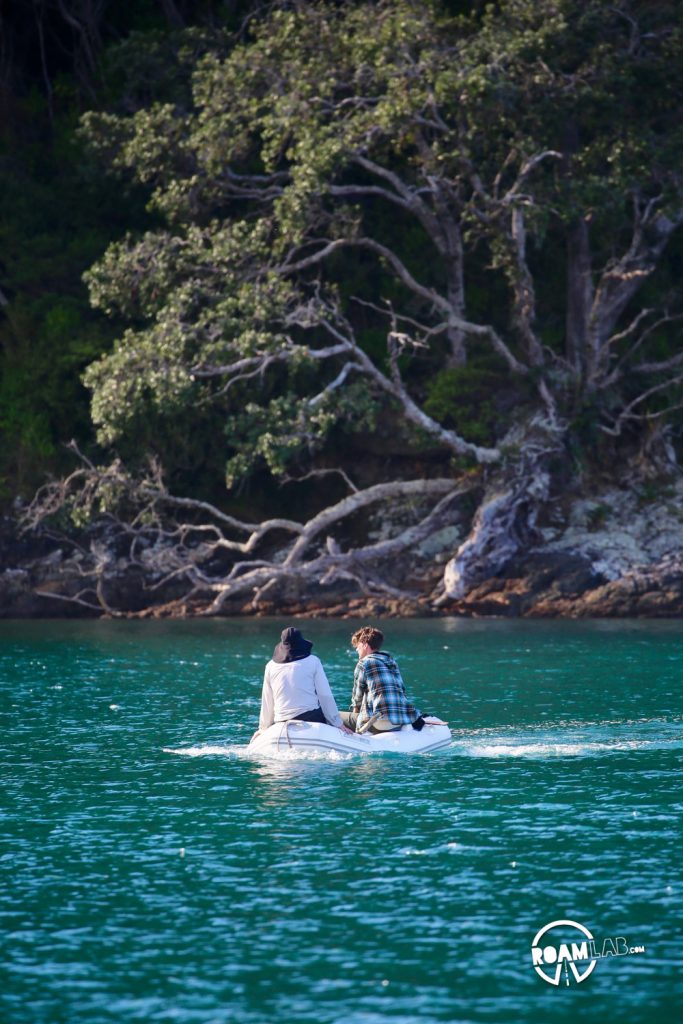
(566, 946)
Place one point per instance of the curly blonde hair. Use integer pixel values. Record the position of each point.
(368, 635)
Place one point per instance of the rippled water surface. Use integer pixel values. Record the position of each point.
(151, 871)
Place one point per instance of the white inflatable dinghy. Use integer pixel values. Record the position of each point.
(295, 735)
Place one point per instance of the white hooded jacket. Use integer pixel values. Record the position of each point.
(293, 687)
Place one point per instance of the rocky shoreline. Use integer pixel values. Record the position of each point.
(615, 556)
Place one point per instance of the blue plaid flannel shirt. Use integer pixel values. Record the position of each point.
(378, 687)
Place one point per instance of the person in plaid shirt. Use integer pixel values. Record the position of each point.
(378, 701)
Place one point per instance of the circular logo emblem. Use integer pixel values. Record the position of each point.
(562, 947)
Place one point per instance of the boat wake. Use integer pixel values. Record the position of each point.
(239, 752)
(570, 739)
(547, 740)
(205, 750)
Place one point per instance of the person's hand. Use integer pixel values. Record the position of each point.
(345, 728)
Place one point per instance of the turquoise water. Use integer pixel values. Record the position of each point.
(153, 872)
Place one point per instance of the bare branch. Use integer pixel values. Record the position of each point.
(372, 245)
(334, 384)
(304, 262)
(513, 193)
(550, 405)
(414, 534)
(388, 310)
(260, 187)
(257, 531)
(322, 472)
(525, 294)
(454, 319)
(622, 278)
(71, 598)
(72, 446)
(395, 387)
(656, 367)
(353, 191)
(661, 367)
(331, 565)
(634, 29)
(409, 198)
(261, 365)
(627, 414)
(159, 494)
(227, 370)
(166, 551)
(665, 364)
(281, 355)
(633, 326)
(361, 499)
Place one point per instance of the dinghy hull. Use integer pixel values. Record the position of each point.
(313, 736)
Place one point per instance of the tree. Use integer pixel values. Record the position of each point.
(58, 211)
(466, 164)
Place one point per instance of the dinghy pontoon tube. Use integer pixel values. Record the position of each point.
(295, 735)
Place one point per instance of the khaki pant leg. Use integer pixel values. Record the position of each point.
(350, 719)
(383, 725)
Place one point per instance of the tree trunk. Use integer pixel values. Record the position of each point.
(455, 293)
(579, 295)
(505, 521)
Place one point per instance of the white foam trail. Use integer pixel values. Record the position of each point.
(558, 749)
(203, 751)
(304, 755)
(546, 749)
(208, 750)
(536, 741)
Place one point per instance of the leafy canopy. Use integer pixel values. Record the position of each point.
(316, 145)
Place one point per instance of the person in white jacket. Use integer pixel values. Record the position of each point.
(295, 685)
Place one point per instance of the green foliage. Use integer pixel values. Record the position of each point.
(320, 126)
(59, 211)
(54, 219)
(278, 434)
(246, 170)
(464, 399)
